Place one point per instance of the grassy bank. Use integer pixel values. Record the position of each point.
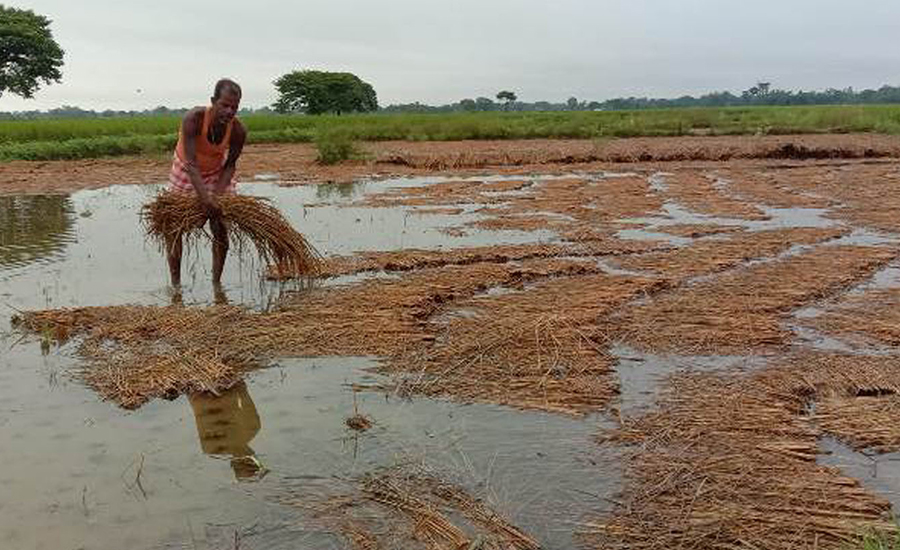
(90, 138)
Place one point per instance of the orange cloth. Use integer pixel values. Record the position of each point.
(210, 156)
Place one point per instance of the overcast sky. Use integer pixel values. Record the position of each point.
(127, 54)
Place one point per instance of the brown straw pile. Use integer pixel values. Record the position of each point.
(729, 461)
(135, 353)
(870, 317)
(745, 309)
(865, 422)
(538, 348)
(408, 506)
(701, 193)
(175, 215)
(709, 256)
(417, 259)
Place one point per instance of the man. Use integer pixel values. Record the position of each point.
(209, 144)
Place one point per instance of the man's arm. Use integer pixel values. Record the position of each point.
(235, 148)
(190, 129)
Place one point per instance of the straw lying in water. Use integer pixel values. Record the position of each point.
(537, 349)
(866, 192)
(251, 219)
(700, 192)
(712, 255)
(409, 506)
(779, 188)
(386, 318)
(135, 353)
(865, 422)
(871, 316)
(729, 461)
(417, 259)
(564, 205)
(696, 230)
(745, 309)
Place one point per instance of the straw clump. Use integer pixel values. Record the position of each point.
(739, 469)
(745, 309)
(416, 259)
(873, 316)
(175, 215)
(703, 193)
(409, 506)
(865, 422)
(540, 348)
(135, 353)
(696, 230)
(712, 255)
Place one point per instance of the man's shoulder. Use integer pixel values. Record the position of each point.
(238, 128)
(194, 117)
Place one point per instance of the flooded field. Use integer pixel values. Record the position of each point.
(584, 359)
(86, 474)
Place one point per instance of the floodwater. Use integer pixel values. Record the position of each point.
(199, 471)
(89, 248)
(204, 472)
(877, 472)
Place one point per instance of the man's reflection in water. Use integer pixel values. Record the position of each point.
(226, 425)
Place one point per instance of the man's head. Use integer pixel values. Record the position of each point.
(226, 99)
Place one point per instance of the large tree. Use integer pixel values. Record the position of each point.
(507, 97)
(318, 92)
(28, 53)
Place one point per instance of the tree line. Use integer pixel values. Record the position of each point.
(71, 111)
(758, 95)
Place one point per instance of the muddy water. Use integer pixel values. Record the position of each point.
(879, 473)
(642, 375)
(97, 253)
(79, 473)
(199, 471)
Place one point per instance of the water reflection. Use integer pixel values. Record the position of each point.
(344, 190)
(226, 424)
(34, 228)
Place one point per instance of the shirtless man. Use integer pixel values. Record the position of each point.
(209, 144)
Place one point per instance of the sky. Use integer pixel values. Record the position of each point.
(128, 54)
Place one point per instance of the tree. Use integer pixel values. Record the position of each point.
(468, 104)
(28, 53)
(485, 104)
(318, 92)
(507, 97)
(572, 103)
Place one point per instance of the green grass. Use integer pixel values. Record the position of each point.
(882, 541)
(90, 138)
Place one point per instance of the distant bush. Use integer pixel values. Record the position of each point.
(335, 145)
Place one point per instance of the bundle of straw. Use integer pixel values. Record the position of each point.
(174, 215)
